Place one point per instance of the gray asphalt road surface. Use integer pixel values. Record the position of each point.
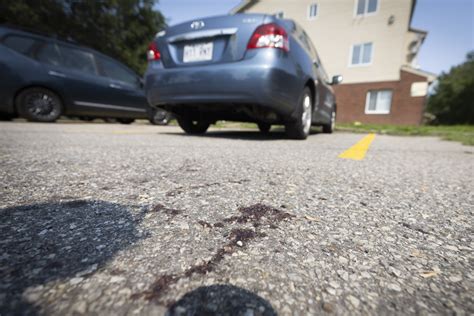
(140, 220)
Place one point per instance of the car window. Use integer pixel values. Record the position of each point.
(77, 59)
(21, 44)
(49, 54)
(304, 41)
(309, 44)
(114, 71)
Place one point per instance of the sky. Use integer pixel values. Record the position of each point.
(450, 26)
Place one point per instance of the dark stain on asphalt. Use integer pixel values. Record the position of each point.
(244, 235)
(256, 213)
(204, 224)
(218, 225)
(237, 238)
(160, 208)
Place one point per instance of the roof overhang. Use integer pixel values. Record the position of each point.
(430, 77)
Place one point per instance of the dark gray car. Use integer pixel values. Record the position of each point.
(244, 67)
(43, 77)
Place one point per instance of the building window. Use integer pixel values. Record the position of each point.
(378, 102)
(365, 7)
(361, 54)
(280, 14)
(312, 11)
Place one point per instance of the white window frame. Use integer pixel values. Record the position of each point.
(351, 52)
(309, 11)
(367, 102)
(356, 5)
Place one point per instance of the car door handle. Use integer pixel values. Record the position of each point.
(115, 86)
(56, 74)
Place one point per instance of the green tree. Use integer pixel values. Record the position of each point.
(121, 29)
(453, 100)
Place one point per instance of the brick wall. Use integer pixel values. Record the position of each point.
(405, 110)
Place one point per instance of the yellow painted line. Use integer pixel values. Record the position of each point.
(358, 151)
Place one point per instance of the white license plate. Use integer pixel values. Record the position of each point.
(198, 52)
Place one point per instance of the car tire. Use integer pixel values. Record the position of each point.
(264, 127)
(300, 128)
(6, 117)
(329, 128)
(125, 121)
(39, 105)
(193, 127)
(159, 117)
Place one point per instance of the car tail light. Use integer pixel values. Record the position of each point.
(153, 53)
(269, 35)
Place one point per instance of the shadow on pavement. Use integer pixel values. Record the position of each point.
(61, 240)
(221, 300)
(241, 135)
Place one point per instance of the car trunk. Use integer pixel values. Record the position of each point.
(206, 41)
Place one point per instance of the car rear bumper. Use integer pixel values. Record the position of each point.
(265, 80)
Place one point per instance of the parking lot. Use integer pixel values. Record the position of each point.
(120, 220)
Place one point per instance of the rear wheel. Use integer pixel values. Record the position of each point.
(329, 128)
(300, 128)
(193, 126)
(39, 105)
(125, 121)
(264, 127)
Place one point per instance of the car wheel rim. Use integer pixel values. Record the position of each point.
(306, 117)
(41, 105)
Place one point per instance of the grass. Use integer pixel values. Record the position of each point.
(459, 133)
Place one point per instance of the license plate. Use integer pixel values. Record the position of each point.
(198, 52)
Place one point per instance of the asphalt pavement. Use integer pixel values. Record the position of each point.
(107, 219)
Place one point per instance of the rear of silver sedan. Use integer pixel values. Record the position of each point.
(235, 68)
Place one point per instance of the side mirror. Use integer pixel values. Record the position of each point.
(336, 80)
